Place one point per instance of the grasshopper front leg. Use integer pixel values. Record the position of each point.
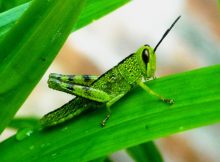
(150, 91)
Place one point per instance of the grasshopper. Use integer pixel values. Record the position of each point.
(94, 92)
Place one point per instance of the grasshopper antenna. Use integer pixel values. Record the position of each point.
(167, 31)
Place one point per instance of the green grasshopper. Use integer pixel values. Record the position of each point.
(94, 92)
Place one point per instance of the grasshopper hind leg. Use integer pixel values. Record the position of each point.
(85, 80)
(79, 90)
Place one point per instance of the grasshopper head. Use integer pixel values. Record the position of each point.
(147, 56)
(147, 59)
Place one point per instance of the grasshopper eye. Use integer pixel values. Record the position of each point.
(145, 56)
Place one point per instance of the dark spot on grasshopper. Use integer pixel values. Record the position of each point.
(86, 88)
(70, 88)
(71, 78)
(86, 78)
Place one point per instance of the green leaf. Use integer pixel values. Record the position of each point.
(6, 4)
(25, 122)
(9, 18)
(25, 126)
(137, 118)
(145, 152)
(102, 159)
(28, 53)
(219, 6)
(92, 10)
(29, 48)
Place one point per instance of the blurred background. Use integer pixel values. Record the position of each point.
(193, 43)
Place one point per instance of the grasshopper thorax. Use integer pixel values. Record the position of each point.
(147, 61)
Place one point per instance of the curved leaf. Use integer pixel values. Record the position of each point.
(145, 152)
(29, 48)
(137, 118)
(26, 54)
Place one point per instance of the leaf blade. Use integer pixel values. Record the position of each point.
(6, 5)
(43, 40)
(9, 18)
(13, 46)
(137, 118)
(145, 152)
(9, 62)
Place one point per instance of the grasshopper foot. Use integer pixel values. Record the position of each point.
(105, 120)
(169, 101)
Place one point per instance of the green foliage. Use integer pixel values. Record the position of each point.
(28, 122)
(92, 11)
(137, 118)
(102, 159)
(9, 18)
(146, 152)
(28, 49)
(219, 6)
(30, 46)
(25, 51)
(6, 4)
